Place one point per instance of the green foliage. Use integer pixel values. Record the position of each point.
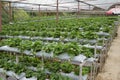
(5, 17)
(67, 67)
(59, 77)
(53, 66)
(72, 48)
(73, 29)
(20, 14)
(1, 79)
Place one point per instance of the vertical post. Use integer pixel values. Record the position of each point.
(95, 50)
(13, 13)
(10, 12)
(80, 73)
(49, 13)
(0, 15)
(91, 72)
(78, 8)
(46, 12)
(42, 68)
(57, 12)
(103, 41)
(94, 70)
(68, 9)
(32, 12)
(39, 11)
(89, 7)
(17, 58)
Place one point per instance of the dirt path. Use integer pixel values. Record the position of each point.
(111, 69)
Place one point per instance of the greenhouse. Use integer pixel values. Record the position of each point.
(59, 39)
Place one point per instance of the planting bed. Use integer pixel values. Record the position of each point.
(73, 49)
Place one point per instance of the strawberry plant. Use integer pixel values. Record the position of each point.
(67, 67)
(58, 48)
(36, 46)
(72, 49)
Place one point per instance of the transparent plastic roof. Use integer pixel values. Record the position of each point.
(69, 4)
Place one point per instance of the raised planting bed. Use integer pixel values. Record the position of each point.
(29, 66)
(73, 49)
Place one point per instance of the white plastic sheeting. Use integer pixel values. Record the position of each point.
(43, 53)
(7, 48)
(64, 56)
(32, 78)
(105, 4)
(79, 58)
(73, 76)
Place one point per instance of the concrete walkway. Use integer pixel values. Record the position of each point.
(111, 69)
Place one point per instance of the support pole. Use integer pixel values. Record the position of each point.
(46, 12)
(68, 9)
(42, 68)
(78, 8)
(0, 16)
(17, 58)
(89, 7)
(57, 12)
(39, 11)
(91, 72)
(32, 12)
(10, 12)
(95, 50)
(80, 73)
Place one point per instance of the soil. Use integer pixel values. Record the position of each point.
(111, 69)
